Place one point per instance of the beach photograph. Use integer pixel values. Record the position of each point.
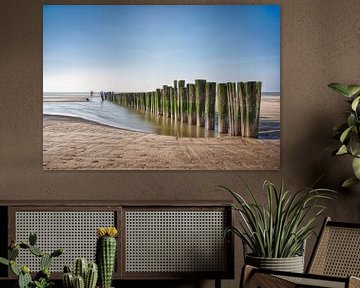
(161, 87)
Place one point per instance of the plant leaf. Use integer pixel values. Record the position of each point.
(353, 89)
(342, 150)
(349, 182)
(345, 134)
(356, 167)
(355, 103)
(4, 261)
(351, 119)
(340, 88)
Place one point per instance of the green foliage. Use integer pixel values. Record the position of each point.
(280, 229)
(349, 131)
(42, 278)
(42, 283)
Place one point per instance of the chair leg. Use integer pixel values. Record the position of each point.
(246, 274)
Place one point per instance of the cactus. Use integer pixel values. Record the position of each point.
(24, 280)
(57, 252)
(79, 282)
(42, 278)
(45, 261)
(85, 275)
(105, 254)
(32, 239)
(36, 251)
(80, 267)
(91, 276)
(13, 253)
(68, 280)
(14, 268)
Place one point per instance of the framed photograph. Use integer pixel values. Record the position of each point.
(161, 87)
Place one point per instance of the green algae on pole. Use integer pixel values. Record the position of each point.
(191, 104)
(222, 107)
(176, 101)
(210, 94)
(172, 102)
(181, 99)
(166, 104)
(158, 102)
(233, 110)
(251, 98)
(200, 102)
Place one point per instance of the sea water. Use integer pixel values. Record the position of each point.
(82, 105)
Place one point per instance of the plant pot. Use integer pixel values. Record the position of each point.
(291, 264)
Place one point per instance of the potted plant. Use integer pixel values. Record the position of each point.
(42, 278)
(349, 132)
(276, 233)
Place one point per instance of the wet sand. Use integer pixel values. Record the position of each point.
(72, 143)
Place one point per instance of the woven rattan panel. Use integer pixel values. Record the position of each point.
(175, 241)
(338, 253)
(311, 282)
(75, 231)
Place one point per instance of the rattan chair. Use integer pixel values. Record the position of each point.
(334, 263)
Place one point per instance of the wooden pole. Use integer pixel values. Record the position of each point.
(191, 105)
(200, 102)
(233, 110)
(172, 103)
(181, 84)
(222, 107)
(176, 97)
(210, 94)
(183, 104)
(251, 100)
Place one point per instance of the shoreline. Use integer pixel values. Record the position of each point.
(74, 143)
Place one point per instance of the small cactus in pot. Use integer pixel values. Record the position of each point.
(85, 275)
(106, 254)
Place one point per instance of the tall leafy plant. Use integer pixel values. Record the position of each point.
(279, 229)
(348, 132)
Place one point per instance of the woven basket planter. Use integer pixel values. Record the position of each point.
(291, 264)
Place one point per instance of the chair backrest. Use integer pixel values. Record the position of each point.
(337, 251)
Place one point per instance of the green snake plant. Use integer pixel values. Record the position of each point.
(280, 228)
(348, 132)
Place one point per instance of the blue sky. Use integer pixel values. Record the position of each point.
(141, 47)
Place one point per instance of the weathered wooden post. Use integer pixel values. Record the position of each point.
(210, 94)
(191, 105)
(200, 102)
(163, 100)
(181, 97)
(172, 103)
(250, 99)
(147, 102)
(158, 102)
(166, 101)
(233, 110)
(222, 107)
(176, 100)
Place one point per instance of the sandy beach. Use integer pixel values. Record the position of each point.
(72, 143)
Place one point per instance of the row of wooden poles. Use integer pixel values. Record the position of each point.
(238, 104)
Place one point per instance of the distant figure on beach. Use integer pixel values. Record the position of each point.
(102, 96)
(91, 96)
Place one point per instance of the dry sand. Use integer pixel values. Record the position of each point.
(71, 143)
